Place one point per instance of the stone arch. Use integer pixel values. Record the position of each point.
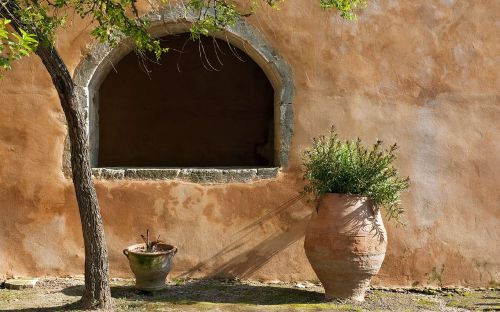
(96, 65)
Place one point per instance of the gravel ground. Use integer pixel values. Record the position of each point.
(62, 294)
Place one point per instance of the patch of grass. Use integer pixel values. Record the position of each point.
(427, 303)
(130, 305)
(476, 300)
(490, 307)
(185, 302)
(188, 305)
(198, 306)
(324, 307)
(122, 282)
(456, 304)
(178, 281)
(14, 298)
(376, 293)
(467, 294)
(6, 294)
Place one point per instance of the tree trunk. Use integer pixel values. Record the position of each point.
(97, 293)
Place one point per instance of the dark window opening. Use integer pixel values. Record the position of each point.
(207, 105)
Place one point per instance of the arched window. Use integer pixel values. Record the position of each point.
(208, 114)
(205, 104)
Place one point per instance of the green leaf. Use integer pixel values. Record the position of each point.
(348, 167)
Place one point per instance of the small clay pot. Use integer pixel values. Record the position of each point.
(345, 243)
(150, 268)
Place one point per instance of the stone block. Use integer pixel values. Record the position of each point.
(239, 175)
(201, 175)
(108, 173)
(21, 283)
(152, 174)
(267, 173)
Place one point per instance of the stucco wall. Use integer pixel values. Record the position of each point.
(425, 75)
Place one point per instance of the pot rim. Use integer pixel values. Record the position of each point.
(345, 195)
(131, 250)
(352, 199)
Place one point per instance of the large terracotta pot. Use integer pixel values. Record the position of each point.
(345, 243)
(150, 268)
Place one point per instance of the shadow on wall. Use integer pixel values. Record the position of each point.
(245, 264)
(363, 218)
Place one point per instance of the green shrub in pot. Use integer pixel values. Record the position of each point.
(346, 240)
(348, 167)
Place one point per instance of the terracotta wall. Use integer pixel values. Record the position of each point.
(423, 74)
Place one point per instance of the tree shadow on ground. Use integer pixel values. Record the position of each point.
(213, 291)
(197, 291)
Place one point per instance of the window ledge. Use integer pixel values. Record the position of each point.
(197, 175)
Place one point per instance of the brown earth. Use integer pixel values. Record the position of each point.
(233, 295)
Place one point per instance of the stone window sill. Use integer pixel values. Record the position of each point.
(196, 175)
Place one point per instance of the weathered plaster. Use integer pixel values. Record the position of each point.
(422, 74)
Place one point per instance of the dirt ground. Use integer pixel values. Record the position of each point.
(62, 294)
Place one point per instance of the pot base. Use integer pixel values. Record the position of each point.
(150, 288)
(347, 289)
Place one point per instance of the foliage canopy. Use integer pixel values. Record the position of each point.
(348, 167)
(114, 20)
